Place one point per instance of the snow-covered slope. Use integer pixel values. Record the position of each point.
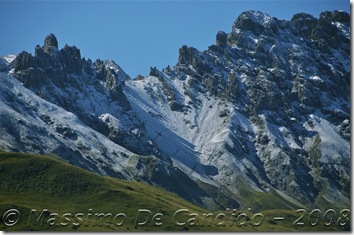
(264, 111)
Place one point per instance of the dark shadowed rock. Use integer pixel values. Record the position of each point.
(321, 31)
(23, 61)
(191, 56)
(186, 55)
(304, 22)
(50, 41)
(32, 77)
(253, 21)
(106, 74)
(221, 39)
(72, 59)
(27, 70)
(336, 16)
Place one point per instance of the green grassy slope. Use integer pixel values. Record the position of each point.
(51, 195)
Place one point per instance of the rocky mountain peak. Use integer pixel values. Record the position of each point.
(221, 39)
(336, 16)
(326, 31)
(49, 64)
(254, 21)
(72, 59)
(50, 41)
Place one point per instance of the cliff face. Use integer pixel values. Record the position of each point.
(265, 110)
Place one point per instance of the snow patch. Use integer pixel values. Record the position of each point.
(9, 58)
(316, 78)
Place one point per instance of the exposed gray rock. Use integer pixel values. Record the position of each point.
(50, 41)
(221, 39)
(250, 20)
(187, 55)
(336, 16)
(72, 59)
(24, 61)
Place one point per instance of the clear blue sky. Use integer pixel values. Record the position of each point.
(135, 34)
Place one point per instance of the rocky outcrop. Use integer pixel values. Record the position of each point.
(57, 65)
(52, 72)
(253, 21)
(27, 70)
(221, 39)
(50, 41)
(322, 30)
(24, 61)
(72, 59)
(336, 16)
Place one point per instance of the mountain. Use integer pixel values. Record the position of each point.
(261, 119)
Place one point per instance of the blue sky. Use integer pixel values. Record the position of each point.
(135, 34)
